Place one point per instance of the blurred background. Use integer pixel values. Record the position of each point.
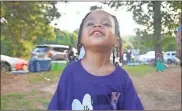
(46, 30)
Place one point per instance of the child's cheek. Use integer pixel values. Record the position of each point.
(85, 34)
(110, 34)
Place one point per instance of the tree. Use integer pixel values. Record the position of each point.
(67, 37)
(22, 22)
(169, 43)
(76, 31)
(74, 39)
(95, 8)
(62, 38)
(160, 17)
(126, 43)
(145, 43)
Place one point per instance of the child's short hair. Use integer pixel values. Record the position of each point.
(117, 32)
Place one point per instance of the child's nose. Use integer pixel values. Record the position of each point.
(97, 25)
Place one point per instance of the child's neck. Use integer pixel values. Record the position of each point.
(97, 59)
(98, 63)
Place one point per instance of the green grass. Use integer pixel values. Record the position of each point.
(39, 77)
(33, 100)
(39, 100)
(140, 70)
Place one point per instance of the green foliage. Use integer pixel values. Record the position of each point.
(144, 42)
(74, 39)
(143, 13)
(169, 43)
(62, 38)
(127, 43)
(76, 31)
(23, 22)
(159, 18)
(139, 71)
(6, 47)
(95, 8)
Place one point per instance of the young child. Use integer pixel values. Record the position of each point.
(160, 63)
(94, 83)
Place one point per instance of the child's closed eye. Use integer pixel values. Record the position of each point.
(107, 24)
(90, 24)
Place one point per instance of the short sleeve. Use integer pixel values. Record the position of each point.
(58, 101)
(130, 99)
(179, 29)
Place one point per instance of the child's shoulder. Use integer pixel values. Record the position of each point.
(179, 29)
(72, 66)
(122, 73)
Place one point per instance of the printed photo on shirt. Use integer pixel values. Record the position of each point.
(88, 102)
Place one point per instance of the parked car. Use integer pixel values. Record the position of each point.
(170, 57)
(146, 58)
(9, 63)
(55, 52)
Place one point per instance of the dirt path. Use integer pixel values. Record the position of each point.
(159, 91)
(14, 83)
(51, 89)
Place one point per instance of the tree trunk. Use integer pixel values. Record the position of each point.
(157, 26)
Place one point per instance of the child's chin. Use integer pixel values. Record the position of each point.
(99, 44)
(98, 41)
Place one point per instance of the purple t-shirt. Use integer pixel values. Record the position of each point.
(179, 29)
(79, 90)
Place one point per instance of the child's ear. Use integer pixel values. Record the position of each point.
(81, 41)
(116, 44)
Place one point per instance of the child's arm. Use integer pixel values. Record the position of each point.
(58, 101)
(130, 101)
(179, 33)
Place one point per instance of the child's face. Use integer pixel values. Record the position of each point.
(98, 30)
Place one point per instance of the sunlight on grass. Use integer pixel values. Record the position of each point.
(38, 100)
(140, 70)
(33, 100)
(40, 76)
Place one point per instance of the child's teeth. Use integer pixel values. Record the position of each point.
(96, 32)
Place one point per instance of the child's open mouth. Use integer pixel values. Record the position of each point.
(97, 33)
